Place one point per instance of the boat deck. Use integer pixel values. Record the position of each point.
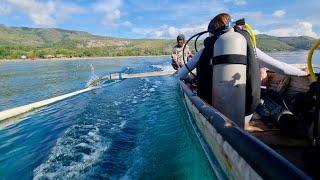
(294, 149)
(291, 148)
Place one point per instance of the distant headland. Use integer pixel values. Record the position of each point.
(52, 43)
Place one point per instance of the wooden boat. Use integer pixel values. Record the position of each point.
(255, 152)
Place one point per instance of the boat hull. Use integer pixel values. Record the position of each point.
(240, 155)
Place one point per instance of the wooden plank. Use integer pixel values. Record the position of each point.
(281, 83)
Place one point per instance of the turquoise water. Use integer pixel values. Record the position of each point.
(133, 129)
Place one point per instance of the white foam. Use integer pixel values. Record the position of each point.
(57, 165)
(157, 82)
(152, 90)
(116, 103)
(163, 67)
(122, 124)
(82, 145)
(146, 95)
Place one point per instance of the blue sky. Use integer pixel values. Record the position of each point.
(161, 18)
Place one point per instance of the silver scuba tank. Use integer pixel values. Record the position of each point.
(229, 76)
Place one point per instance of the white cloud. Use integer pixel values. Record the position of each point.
(127, 24)
(4, 8)
(107, 5)
(279, 13)
(300, 29)
(236, 2)
(111, 10)
(166, 31)
(110, 18)
(255, 18)
(256, 31)
(45, 13)
(279, 26)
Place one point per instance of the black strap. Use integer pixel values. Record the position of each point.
(230, 59)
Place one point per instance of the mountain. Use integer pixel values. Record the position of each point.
(272, 43)
(53, 42)
(51, 37)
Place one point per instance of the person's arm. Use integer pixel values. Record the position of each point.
(173, 54)
(189, 53)
(278, 66)
(192, 63)
(174, 61)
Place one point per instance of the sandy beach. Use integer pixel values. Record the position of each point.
(81, 58)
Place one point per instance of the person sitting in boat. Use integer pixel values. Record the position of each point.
(213, 55)
(202, 60)
(177, 54)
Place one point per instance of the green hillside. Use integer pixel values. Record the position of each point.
(51, 42)
(272, 43)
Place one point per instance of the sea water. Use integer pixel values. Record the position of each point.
(131, 129)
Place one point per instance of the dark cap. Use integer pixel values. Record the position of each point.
(241, 22)
(180, 37)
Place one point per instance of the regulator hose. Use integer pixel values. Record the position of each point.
(247, 26)
(195, 43)
(309, 60)
(252, 34)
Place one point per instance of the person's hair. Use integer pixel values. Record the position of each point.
(219, 20)
(180, 37)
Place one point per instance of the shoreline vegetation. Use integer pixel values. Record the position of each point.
(81, 58)
(50, 43)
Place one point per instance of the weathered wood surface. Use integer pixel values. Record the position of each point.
(280, 83)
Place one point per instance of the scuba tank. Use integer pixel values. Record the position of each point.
(235, 88)
(230, 75)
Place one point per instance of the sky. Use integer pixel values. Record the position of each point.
(162, 19)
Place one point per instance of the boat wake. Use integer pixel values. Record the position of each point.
(102, 139)
(73, 154)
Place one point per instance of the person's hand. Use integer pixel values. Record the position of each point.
(174, 65)
(263, 76)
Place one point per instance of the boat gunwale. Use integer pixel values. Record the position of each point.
(264, 160)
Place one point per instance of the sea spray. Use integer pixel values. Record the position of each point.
(94, 80)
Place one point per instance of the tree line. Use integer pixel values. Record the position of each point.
(8, 52)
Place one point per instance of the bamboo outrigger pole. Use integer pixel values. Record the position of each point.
(10, 113)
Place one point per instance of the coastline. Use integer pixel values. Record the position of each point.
(81, 58)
